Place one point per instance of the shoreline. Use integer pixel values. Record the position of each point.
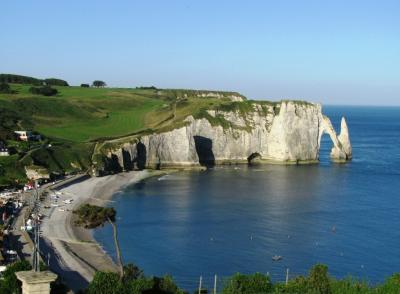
(74, 253)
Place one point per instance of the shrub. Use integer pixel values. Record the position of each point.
(106, 283)
(56, 82)
(18, 79)
(92, 216)
(146, 88)
(98, 84)
(318, 279)
(85, 85)
(45, 91)
(10, 283)
(132, 273)
(246, 284)
(391, 285)
(5, 88)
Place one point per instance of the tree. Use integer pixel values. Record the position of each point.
(10, 283)
(105, 282)
(246, 284)
(56, 82)
(5, 88)
(85, 85)
(132, 273)
(98, 84)
(318, 279)
(93, 216)
(45, 91)
(18, 79)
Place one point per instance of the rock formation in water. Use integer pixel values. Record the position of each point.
(289, 132)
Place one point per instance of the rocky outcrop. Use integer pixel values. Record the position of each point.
(289, 132)
(341, 151)
(34, 172)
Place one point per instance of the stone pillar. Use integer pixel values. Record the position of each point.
(36, 282)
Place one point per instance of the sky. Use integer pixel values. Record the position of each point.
(333, 52)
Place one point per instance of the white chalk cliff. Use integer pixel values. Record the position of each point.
(289, 132)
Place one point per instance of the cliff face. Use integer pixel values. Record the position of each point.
(289, 132)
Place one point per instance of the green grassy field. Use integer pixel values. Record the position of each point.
(76, 118)
(87, 114)
(84, 114)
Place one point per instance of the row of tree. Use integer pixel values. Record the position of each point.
(133, 281)
(19, 79)
(96, 83)
(317, 281)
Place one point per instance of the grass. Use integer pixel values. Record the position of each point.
(11, 171)
(77, 119)
(83, 114)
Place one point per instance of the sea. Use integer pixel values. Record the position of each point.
(232, 219)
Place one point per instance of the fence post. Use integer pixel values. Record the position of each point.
(287, 276)
(201, 278)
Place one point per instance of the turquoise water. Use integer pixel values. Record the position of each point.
(229, 219)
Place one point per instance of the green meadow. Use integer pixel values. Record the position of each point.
(83, 114)
(75, 119)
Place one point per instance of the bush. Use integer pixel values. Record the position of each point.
(10, 283)
(146, 88)
(165, 285)
(391, 285)
(132, 273)
(296, 285)
(85, 85)
(106, 283)
(5, 88)
(18, 79)
(247, 284)
(318, 279)
(143, 285)
(45, 91)
(110, 283)
(98, 84)
(56, 82)
(92, 216)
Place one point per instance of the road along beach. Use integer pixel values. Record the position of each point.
(71, 251)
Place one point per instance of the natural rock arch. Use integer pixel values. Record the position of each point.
(341, 150)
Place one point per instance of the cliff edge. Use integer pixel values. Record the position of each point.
(288, 132)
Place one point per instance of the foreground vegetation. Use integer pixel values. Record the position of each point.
(9, 284)
(134, 281)
(317, 282)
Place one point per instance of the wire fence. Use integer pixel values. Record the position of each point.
(213, 284)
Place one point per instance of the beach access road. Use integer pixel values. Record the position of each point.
(72, 252)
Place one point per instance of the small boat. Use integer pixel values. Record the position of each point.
(276, 257)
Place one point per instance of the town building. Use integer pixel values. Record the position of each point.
(3, 149)
(27, 136)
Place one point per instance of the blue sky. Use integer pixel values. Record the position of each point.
(334, 52)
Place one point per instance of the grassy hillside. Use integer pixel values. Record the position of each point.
(86, 114)
(76, 118)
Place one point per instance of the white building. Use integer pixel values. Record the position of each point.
(3, 150)
(27, 136)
